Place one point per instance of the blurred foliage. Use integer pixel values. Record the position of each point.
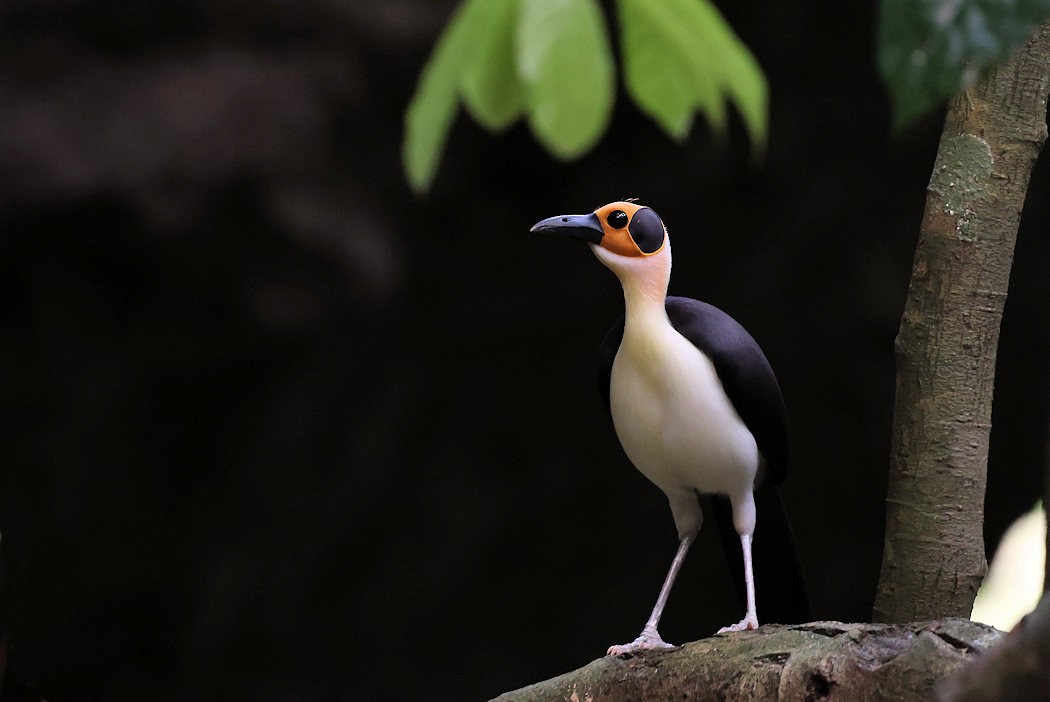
(1014, 583)
(566, 68)
(681, 56)
(550, 60)
(931, 49)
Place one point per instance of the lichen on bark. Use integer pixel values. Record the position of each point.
(964, 165)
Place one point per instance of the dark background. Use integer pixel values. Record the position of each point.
(275, 429)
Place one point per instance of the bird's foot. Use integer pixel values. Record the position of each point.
(649, 639)
(748, 622)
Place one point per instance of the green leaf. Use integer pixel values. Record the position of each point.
(931, 49)
(433, 106)
(681, 55)
(656, 75)
(742, 77)
(566, 65)
(490, 85)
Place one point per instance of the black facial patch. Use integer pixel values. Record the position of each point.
(617, 219)
(647, 230)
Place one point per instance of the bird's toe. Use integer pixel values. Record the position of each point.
(647, 641)
(744, 624)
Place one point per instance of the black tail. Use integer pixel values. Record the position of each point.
(780, 584)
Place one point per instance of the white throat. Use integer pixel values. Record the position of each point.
(644, 280)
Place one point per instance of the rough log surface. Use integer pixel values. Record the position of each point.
(815, 661)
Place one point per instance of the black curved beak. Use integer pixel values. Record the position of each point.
(586, 227)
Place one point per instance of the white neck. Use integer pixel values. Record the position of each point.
(644, 280)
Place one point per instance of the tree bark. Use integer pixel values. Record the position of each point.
(933, 559)
(822, 660)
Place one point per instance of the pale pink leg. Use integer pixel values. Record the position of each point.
(650, 637)
(750, 620)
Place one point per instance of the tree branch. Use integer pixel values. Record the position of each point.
(805, 661)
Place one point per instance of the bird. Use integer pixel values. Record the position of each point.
(698, 411)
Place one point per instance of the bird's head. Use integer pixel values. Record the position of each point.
(628, 238)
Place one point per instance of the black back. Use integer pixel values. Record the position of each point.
(745, 373)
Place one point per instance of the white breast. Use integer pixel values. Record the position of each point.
(674, 419)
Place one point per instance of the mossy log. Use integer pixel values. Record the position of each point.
(816, 661)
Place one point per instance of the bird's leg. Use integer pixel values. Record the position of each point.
(750, 620)
(744, 523)
(650, 637)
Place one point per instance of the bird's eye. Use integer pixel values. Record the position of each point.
(618, 219)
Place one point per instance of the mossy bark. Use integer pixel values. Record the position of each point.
(934, 560)
(821, 660)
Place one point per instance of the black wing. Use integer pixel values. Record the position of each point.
(743, 369)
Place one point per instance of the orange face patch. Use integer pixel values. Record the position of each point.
(627, 236)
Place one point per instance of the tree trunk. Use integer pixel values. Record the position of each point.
(933, 560)
(823, 660)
